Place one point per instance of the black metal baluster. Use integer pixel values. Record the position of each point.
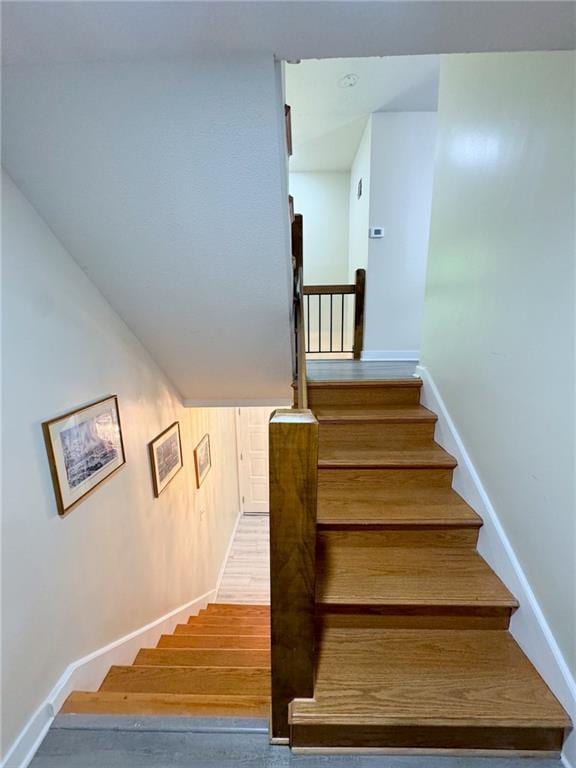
(331, 297)
(308, 320)
(319, 322)
(342, 326)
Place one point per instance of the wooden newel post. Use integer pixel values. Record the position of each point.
(293, 492)
(359, 313)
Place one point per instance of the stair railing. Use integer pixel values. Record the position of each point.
(293, 456)
(343, 321)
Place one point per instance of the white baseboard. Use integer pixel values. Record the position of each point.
(227, 555)
(528, 625)
(392, 355)
(87, 673)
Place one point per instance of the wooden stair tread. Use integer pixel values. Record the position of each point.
(345, 456)
(196, 680)
(432, 677)
(231, 629)
(235, 609)
(121, 703)
(261, 622)
(361, 504)
(207, 641)
(353, 414)
(370, 576)
(202, 657)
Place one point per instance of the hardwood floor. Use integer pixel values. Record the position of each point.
(246, 576)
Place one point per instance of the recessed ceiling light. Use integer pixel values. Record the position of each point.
(349, 80)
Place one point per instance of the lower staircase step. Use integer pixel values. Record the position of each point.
(235, 609)
(426, 689)
(119, 703)
(261, 622)
(200, 640)
(200, 657)
(194, 628)
(190, 657)
(251, 681)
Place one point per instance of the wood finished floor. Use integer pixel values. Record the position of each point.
(246, 576)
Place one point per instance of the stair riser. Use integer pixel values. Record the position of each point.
(256, 642)
(400, 537)
(381, 483)
(172, 657)
(547, 740)
(188, 680)
(231, 629)
(384, 436)
(342, 396)
(428, 617)
(237, 611)
(259, 622)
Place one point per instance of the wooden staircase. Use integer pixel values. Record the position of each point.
(412, 648)
(218, 664)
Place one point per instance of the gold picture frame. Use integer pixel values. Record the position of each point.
(165, 453)
(85, 448)
(202, 459)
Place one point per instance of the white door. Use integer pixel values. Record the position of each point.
(252, 434)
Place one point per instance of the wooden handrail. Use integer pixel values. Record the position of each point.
(325, 289)
(293, 494)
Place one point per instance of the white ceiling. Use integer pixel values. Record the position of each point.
(328, 120)
(41, 31)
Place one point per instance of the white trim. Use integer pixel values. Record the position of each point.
(391, 355)
(279, 402)
(228, 551)
(88, 672)
(528, 625)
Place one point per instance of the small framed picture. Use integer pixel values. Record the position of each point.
(202, 460)
(84, 448)
(165, 457)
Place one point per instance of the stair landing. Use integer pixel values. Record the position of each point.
(467, 689)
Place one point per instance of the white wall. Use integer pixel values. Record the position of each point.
(122, 558)
(402, 160)
(360, 207)
(499, 321)
(166, 181)
(322, 199)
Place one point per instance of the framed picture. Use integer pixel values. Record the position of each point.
(84, 448)
(165, 457)
(202, 460)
